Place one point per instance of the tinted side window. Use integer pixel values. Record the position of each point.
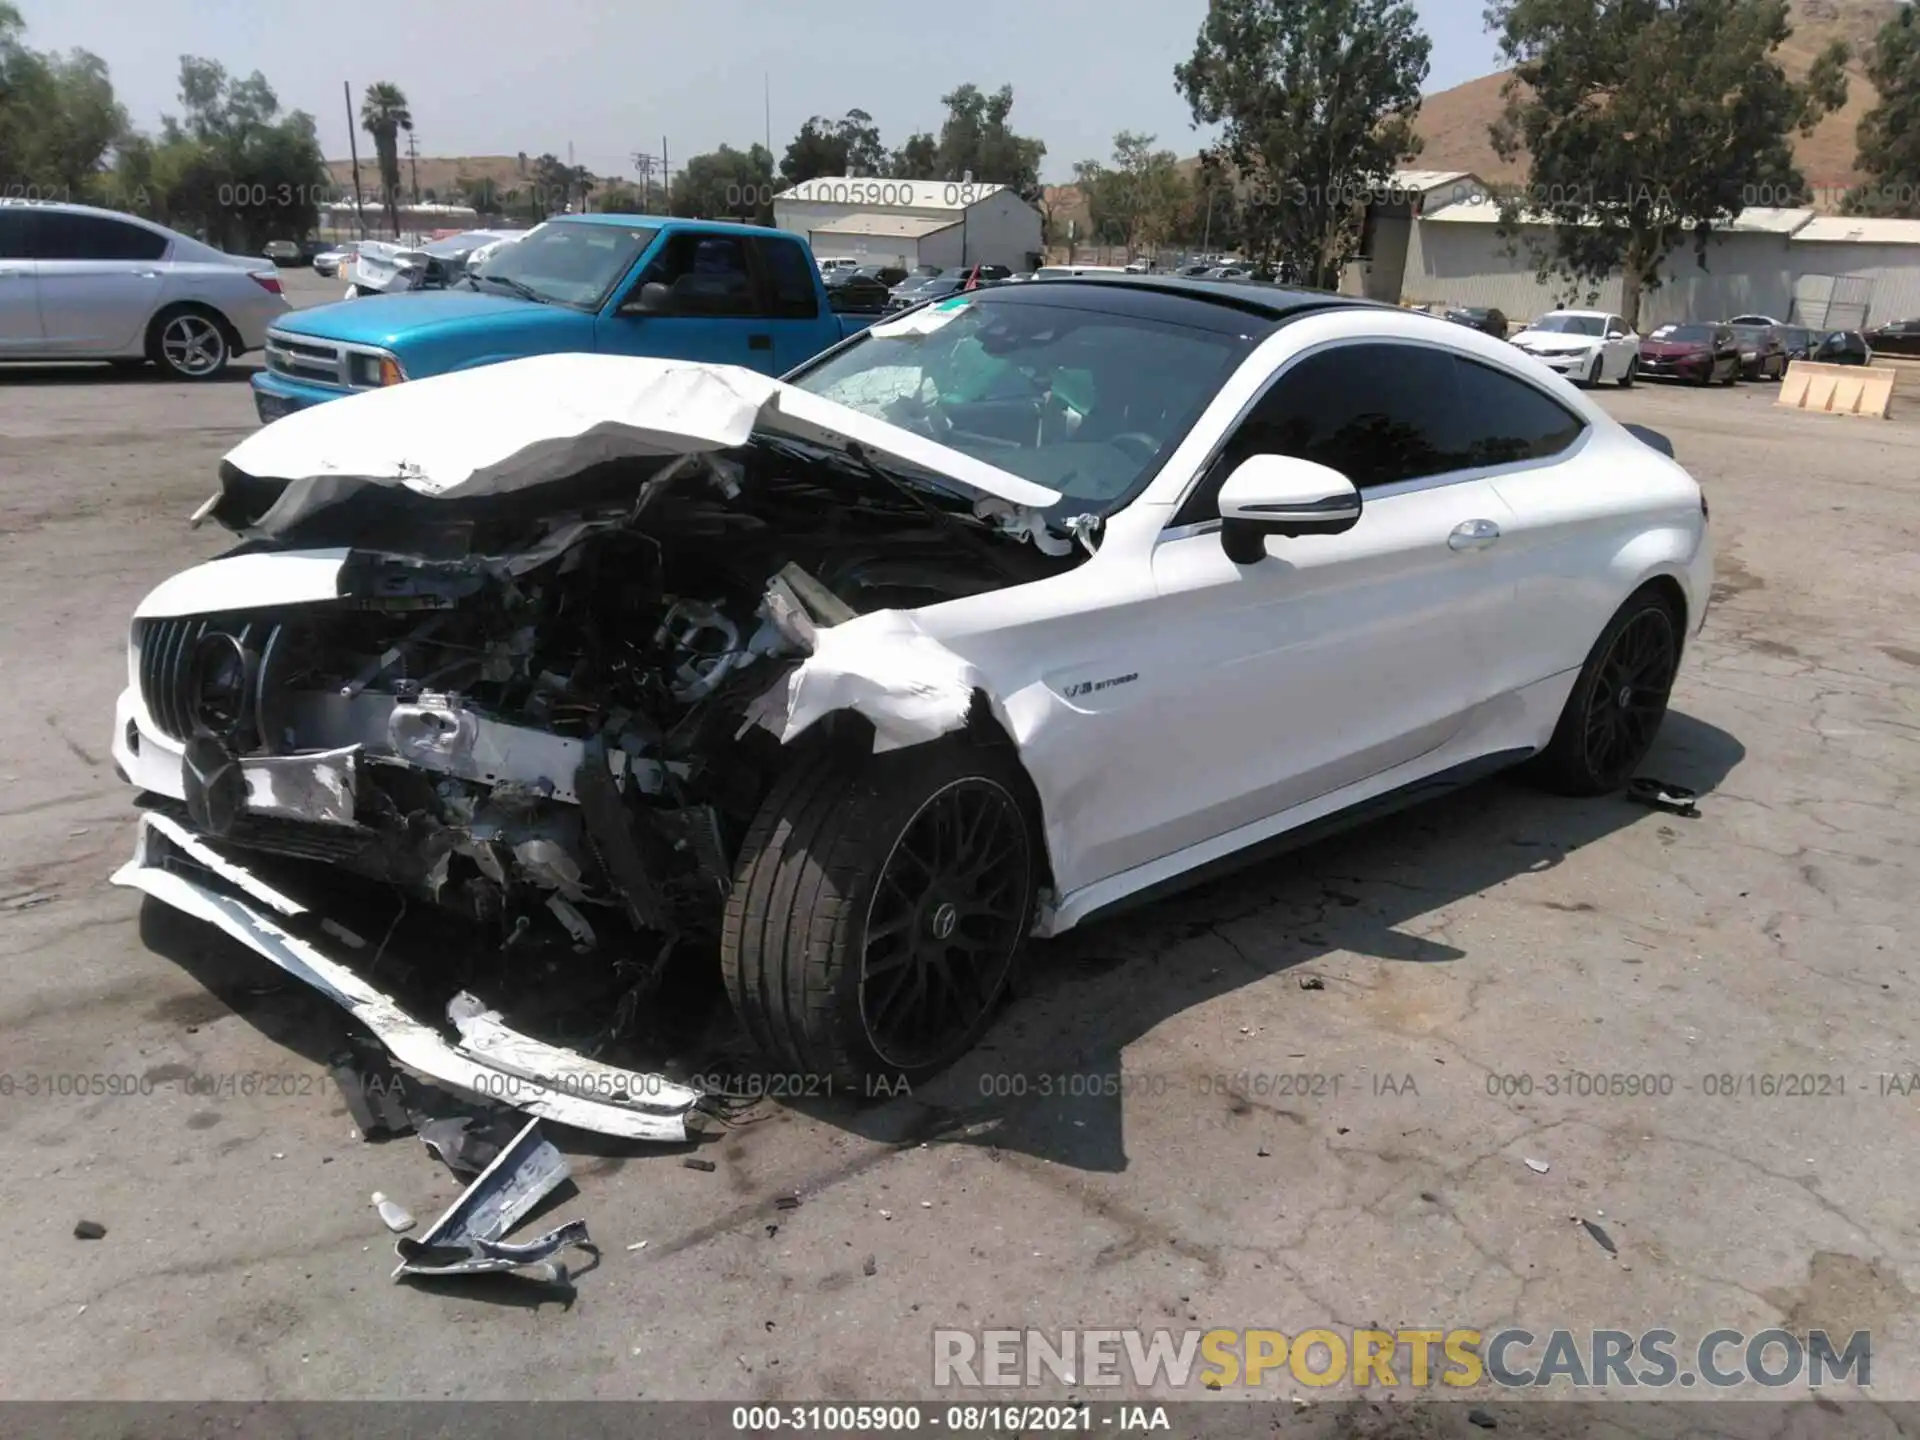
(707, 274)
(1502, 420)
(1377, 413)
(13, 234)
(64, 236)
(790, 279)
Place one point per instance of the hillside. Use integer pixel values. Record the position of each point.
(1454, 122)
(438, 173)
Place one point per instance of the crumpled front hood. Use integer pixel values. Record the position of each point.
(524, 423)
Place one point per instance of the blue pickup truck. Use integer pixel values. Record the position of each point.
(615, 284)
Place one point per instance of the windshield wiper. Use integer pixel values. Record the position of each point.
(969, 534)
(519, 287)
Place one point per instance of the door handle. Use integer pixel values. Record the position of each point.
(1473, 535)
(759, 342)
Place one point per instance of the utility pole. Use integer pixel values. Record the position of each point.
(643, 166)
(767, 84)
(353, 149)
(666, 179)
(413, 162)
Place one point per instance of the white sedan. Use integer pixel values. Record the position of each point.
(77, 283)
(1584, 345)
(1016, 607)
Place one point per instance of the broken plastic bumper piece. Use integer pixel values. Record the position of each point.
(194, 876)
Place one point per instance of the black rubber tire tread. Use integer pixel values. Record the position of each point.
(1561, 767)
(794, 915)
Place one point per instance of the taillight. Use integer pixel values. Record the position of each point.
(266, 280)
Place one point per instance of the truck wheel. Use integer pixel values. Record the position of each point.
(878, 907)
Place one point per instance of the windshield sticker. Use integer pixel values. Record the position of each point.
(920, 322)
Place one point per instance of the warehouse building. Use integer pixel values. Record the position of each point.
(1828, 272)
(912, 222)
(1392, 209)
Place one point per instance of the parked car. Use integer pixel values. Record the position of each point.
(1755, 320)
(1843, 347)
(619, 284)
(851, 293)
(331, 261)
(1701, 352)
(282, 252)
(1488, 320)
(1901, 337)
(78, 283)
(1763, 351)
(387, 269)
(1585, 345)
(845, 684)
(911, 292)
(1799, 341)
(478, 258)
(888, 275)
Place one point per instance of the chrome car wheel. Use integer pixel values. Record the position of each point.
(192, 346)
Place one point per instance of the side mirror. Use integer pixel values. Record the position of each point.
(1282, 495)
(653, 298)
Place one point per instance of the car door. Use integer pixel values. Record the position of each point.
(709, 306)
(100, 281)
(1574, 508)
(792, 329)
(1336, 658)
(20, 331)
(1622, 345)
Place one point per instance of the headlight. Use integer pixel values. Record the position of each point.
(374, 371)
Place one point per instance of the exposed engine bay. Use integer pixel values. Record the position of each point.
(547, 722)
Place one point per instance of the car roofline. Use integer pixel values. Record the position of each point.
(1252, 297)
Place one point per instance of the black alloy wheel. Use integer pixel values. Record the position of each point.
(948, 912)
(1628, 698)
(1617, 703)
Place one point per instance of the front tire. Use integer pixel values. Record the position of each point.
(1594, 370)
(878, 908)
(1628, 375)
(189, 344)
(1611, 718)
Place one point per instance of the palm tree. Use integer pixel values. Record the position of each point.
(383, 115)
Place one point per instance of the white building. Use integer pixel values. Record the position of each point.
(1392, 209)
(911, 222)
(1829, 272)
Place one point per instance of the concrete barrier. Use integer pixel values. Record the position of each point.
(1837, 389)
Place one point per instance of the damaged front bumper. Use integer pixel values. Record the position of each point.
(488, 1060)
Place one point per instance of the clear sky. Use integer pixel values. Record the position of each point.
(498, 76)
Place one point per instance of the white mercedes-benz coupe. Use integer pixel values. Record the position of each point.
(1017, 606)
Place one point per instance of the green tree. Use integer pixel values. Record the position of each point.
(1142, 200)
(976, 138)
(231, 166)
(59, 119)
(1646, 121)
(383, 115)
(847, 146)
(726, 184)
(1317, 104)
(917, 159)
(552, 188)
(1889, 133)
